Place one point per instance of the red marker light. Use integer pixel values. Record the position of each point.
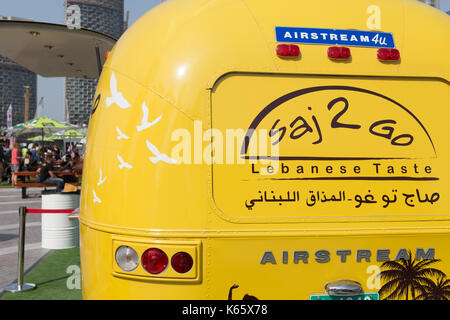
(339, 53)
(182, 262)
(107, 54)
(288, 50)
(388, 54)
(154, 260)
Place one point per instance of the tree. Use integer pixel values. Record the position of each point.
(404, 276)
(439, 290)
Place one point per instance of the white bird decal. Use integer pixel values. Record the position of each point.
(158, 156)
(121, 135)
(100, 181)
(117, 97)
(96, 199)
(144, 122)
(123, 164)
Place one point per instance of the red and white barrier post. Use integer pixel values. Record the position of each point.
(20, 286)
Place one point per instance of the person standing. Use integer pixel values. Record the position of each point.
(34, 154)
(24, 150)
(56, 152)
(2, 161)
(15, 162)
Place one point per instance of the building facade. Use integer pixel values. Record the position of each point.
(13, 79)
(433, 3)
(104, 16)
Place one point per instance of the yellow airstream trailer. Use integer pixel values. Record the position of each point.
(259, 149)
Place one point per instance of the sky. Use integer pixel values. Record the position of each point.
(52, 89)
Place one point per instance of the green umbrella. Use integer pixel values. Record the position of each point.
(41, 123)
(39, 138)
(69, 134)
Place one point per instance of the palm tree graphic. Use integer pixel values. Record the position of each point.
(439, 290)
(408, 276)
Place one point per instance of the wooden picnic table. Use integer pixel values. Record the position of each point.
(34, 184)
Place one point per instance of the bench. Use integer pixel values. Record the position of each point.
(34, 184)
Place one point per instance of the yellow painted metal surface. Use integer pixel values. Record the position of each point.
(358, 176)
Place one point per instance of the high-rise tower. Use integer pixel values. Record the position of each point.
(13, 79)
(104, 16)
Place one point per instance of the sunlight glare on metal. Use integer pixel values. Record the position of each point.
(181, 71)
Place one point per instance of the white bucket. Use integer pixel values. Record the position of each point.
(58, 231)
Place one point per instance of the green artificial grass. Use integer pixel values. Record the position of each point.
(56, 277)
(5, 184)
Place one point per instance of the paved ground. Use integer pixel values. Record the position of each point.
(10, 201)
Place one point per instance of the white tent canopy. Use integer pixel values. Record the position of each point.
(53, 50)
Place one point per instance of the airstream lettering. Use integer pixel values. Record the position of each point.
(359, 175)
(324, 256)
(335, 37)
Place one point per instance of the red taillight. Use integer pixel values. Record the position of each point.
(107, 54)
(288, 50)
(339, 53)
(182, 262)
(154, 260)
(388, 54)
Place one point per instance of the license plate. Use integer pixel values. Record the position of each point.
(364, 296)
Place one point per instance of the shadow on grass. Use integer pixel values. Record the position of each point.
(57, 277)
(52, 280)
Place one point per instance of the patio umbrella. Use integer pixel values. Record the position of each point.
(42, 124)
(70, 134)
(39, 138)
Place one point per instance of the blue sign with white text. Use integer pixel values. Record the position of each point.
(340, 37)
